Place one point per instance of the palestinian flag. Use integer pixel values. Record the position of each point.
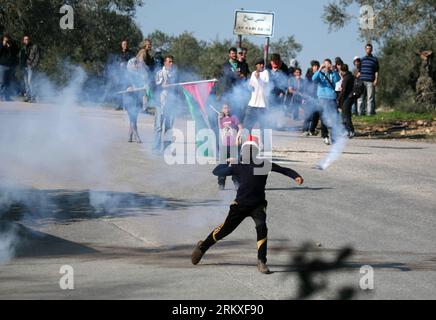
(196, 94)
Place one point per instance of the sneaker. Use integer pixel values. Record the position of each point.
(221, 186)
(306, 133)
(262, 267)
(313, 133)
(351, 135)
(326, 141)
(197, 254)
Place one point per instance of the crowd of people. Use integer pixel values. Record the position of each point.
(328, 95)
(26, 59)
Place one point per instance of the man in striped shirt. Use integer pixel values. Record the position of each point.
(369, 75)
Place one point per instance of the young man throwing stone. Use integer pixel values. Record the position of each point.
(250, 200)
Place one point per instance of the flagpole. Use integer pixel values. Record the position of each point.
(192, 82)
(214, 109)
(168, 85)
(132, 90)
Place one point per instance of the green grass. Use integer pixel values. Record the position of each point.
(394, 116)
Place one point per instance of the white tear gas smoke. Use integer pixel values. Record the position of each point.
(53, 162)
(60, 148)
(56, 148)
(8, 240)
(332, 120)
(334, 154)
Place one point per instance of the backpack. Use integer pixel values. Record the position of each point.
(358, 88)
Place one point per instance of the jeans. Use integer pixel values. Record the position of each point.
(132, 103)
(369, 96)
(28, 74)
(347, 114)
(330, 119)
(359, 106)
(5, 76)
(163, 123)
(311, 117)
(295, 111)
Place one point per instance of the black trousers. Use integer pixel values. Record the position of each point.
(311, 121)
(236, 215)
(347, 114)
(328, 114)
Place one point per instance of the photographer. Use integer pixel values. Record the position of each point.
(326, 78)
(8, 55)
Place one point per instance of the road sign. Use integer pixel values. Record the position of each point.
(254, 23)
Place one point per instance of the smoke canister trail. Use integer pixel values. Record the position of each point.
(334, 154)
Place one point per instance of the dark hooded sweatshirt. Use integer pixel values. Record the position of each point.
(251, 191)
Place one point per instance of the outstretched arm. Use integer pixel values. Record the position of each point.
(288, 172)
(223, 170)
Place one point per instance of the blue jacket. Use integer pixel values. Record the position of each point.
(325, 89)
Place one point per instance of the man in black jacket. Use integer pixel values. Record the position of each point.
(250, 200)
(29, 60)
(231, 72)
(346, 99)
(232, 87)
(119, 77)
(244, 68)
(8, 57)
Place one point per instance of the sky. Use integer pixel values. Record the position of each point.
(209, 20)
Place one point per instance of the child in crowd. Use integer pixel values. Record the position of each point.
(230, 129)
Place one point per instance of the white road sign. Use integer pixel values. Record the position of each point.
(254, 23)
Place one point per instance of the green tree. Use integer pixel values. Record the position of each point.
(392, 18)
(401, 28)
(288, 48)
(213, 58)
(99, 27)
(161, 41)
(187, 50)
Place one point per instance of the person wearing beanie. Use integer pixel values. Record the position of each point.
(250, 200)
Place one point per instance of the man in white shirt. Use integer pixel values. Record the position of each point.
(258, 104)
(165, 111)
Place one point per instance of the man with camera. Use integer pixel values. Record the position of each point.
(326, 78)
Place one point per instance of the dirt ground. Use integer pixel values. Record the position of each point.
(409, 130)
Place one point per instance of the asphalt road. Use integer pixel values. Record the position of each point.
(76, 193)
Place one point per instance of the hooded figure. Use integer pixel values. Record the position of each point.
(250, 200)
